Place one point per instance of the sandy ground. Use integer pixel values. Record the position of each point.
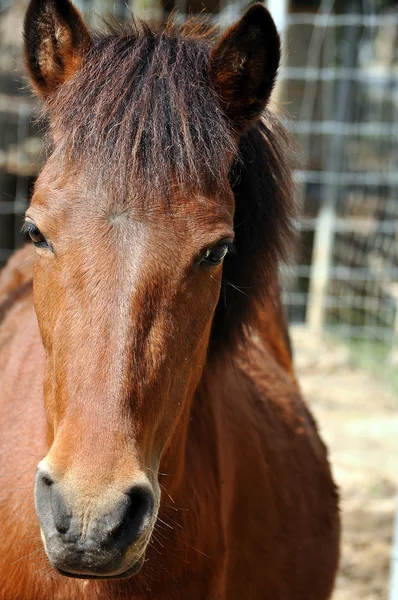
(358, 418)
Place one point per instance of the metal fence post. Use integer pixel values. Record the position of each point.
(324, 233)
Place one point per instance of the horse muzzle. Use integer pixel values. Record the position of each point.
(99, 540)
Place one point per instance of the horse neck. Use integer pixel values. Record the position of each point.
(270, 325)
(199, 422)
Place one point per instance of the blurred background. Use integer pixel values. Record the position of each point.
(338, 94)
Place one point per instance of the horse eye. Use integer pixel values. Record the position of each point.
(35, 235)
(214, 256)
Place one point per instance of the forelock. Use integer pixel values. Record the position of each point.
(143, 111)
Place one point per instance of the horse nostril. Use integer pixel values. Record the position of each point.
(46, 479)
(137, 516)
(62, 516)
(141, 505)
(50, 505)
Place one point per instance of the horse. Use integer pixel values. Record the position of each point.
(154, 441)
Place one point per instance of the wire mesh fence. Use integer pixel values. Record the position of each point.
(343, 99)
(339, 97)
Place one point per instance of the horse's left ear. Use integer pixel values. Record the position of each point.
(244, 66)
(56, 41)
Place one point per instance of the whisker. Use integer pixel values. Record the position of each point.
(235, 287)
(176, 508)
(153, 545)
(164, 523)
(199, 551)
(160, 528)
(157, 539)
(163, 488)
(172, 520)
(158, 472)
(27, 555)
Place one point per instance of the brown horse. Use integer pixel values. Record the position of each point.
(176, 456)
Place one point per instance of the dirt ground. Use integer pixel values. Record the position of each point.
(358, 418)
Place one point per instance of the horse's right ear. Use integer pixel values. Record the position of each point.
(56, 41)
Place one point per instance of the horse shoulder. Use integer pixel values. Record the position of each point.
(277, 488)
(21, 424)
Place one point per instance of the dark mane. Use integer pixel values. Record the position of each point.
(143, 108)
(265, 212)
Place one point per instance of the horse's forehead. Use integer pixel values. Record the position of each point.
(191, 209)
(75, 198)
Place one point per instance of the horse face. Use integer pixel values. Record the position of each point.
(124, 299)
(126, 281)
